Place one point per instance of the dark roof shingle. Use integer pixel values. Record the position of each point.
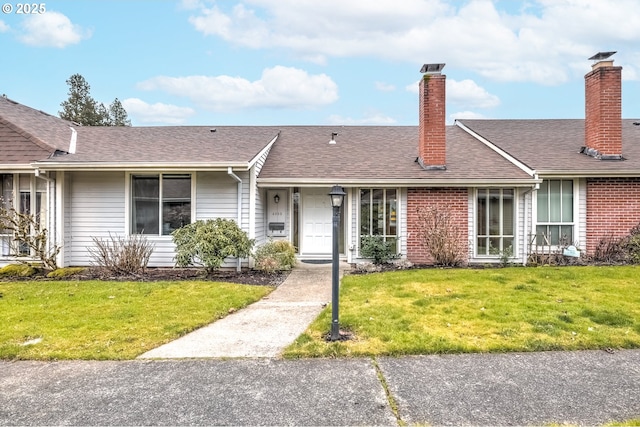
(378, 153)
(554, 145)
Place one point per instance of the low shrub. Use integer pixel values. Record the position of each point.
(18, 270)
(62, 273)
(208, 243)
(619, 250)
(379, 250)
(442, 236)
(275, 255)
(122, 255)
(632, 245)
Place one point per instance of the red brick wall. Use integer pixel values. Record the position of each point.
(456, 199)
(603, 110)
(431, 149)
(613, 208)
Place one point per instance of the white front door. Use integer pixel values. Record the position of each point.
(317, 216)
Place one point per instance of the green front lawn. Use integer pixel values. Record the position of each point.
(489, 310)
(46, 320)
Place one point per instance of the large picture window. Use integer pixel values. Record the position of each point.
(495, 220)
(378, 212)
(555, 212)
(160, 204)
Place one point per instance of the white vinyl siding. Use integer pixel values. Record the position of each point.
(216, 196)
(96, 207)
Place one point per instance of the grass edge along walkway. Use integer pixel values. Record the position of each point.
(435, 311)
(103, 320)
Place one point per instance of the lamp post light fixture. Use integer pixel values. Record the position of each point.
(337, 197)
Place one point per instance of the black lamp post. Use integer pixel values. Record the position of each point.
(337, 197)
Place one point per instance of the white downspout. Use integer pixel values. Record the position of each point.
(239, 181)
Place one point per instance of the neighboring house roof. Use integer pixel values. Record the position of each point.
(17, 149)
(380, 154)
(553, 146)
(109, 147)
(27, 134)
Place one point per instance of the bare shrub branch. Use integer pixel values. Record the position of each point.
(29, 238)
(441, 236)
(122, 255)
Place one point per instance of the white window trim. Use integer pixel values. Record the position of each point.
(516, 228)
(358, 207)
(576, 212)
(127, 200)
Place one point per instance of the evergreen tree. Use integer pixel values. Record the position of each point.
(84, 110)
(118, 115)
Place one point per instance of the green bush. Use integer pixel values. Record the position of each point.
(62, 273)
(633, 245)
(208, 243)
(18, 270)
(379, 250)
(275, 255)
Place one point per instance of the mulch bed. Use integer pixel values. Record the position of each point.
(245, 277)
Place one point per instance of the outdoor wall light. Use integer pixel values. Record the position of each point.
(276, 199)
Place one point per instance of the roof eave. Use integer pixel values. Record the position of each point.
(308, 182)
(589, 173)
(150, 166)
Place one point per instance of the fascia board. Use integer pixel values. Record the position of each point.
(278, 182)
(80, 166)
(589, 174)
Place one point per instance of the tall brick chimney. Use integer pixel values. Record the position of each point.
(432, 141)
(603, 109)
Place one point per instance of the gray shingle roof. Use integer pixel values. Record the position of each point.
(168, 144)
(28, 134)
(376, 153)
(553, 146)
(302, 154)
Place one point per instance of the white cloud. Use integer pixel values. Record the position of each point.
(3, 27)
(371, 118)
(468, 94)
(278, 87)
(465, 93)
(51, 29)
(142, 112)
(385, 87)
(545, 42)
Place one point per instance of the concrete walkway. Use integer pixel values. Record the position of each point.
(264, 328)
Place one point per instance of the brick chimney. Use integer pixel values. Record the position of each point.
(603, 109)
(432, 142)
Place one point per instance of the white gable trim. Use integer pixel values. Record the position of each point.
(500, 151)
(262, 152)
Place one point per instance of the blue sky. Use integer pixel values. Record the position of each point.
(280, 62)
